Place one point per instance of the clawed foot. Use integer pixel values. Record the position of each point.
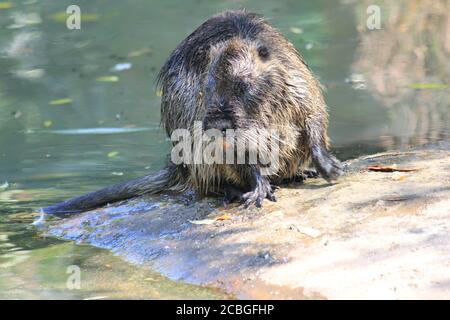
(304, 175)
(307, 174)
(256, 196)
(262, 191)
(326, 164)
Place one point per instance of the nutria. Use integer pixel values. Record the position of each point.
(235, 71)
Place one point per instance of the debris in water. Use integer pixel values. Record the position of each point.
(4, 186)
(41, 220)
(107, 79)
(17, 114)
(47, 124)
(32, 74)
(137, 53)
(428, 86)
(113, 154)
(296, 30)
(84, 17)
(6, 5)
(98, 131)
(121, 67)
(24, 19)
(60, 102)
(357, 81)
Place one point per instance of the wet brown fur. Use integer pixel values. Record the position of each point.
(288, 95)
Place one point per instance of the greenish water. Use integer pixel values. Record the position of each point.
(70, 124)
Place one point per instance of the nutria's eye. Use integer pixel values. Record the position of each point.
(263, 52)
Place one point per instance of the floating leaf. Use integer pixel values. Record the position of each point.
(112, 154)
(137, 53)
(84, 17)
(6, 5)
(117, 173)
(296, 30)
(108, 79)
(59, 102)
(60, 16)
(428, 86)
(159, 93)
(89, 17)
(48, 124)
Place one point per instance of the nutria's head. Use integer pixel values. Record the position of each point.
(242, 81)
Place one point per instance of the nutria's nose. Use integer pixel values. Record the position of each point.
(219, 124)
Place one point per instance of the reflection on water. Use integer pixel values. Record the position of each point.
(78, 109)
(407, 67)
(33, 267)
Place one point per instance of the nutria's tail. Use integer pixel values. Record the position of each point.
(168, 179)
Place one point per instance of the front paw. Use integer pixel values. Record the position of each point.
(326, 164)
(262, 191)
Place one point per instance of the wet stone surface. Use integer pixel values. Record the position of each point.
(371, 235)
